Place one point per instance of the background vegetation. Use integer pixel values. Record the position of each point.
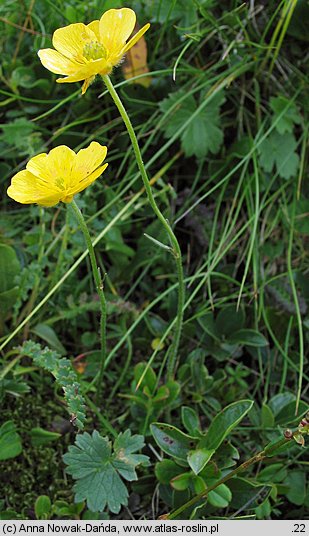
(221, 119)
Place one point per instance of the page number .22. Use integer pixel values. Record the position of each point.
(299, 527)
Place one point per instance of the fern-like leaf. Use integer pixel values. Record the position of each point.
(62, 370)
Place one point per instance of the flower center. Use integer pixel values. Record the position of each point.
(94, 51)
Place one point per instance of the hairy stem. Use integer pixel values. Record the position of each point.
(175, 248)
(99, 287)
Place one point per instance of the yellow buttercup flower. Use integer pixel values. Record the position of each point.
(58, 175)
(83, 51)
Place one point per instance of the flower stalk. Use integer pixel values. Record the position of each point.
(175, 248)
(100, 289)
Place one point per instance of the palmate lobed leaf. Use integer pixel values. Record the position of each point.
(124, 459)
(97, 469)
(182, 11)
(204, 133)
(88, 455)
(285, 123)
(15, 133)
(278, 150)
(100, 490)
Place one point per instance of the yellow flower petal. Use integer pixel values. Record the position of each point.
(56, 62)
(91, 178)
(94, 26)
(71, 40)
(60, 163)
(22, 187)
(48, 201)
(26, 188)
(37, 166)
(136, 38)
(53, 169)
(87, 160)
(87, 71)
(116, 26)
(58, 175)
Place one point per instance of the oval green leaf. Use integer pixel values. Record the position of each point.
(220, 497)
(248, 337)
(197, 459)
(42, 507)
(190, 420)
(224, 423)
(172, 441)
(246, 492)
(10, 442)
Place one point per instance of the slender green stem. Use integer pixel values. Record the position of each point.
(286, 349)
(296, 302)
(173, 240)
(63, 247)
(125, 368)
(99, 286)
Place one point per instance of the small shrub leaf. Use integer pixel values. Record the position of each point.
(190, 420)
(172, 441)
(220, 497)
(224, 423)
(42, 507)
(197, 459)
(249, 337)
(10, 442)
